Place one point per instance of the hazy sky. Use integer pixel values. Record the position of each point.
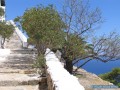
(110, 11)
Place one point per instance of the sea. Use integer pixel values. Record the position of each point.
(98, 67)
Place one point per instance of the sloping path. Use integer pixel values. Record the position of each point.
(17, 72)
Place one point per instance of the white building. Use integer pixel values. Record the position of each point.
(2, 5)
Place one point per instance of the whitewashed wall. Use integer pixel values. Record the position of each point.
(61, 79)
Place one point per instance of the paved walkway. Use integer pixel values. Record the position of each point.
(17, 72)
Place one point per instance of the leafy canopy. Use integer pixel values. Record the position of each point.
(74, 47)
(44, 27)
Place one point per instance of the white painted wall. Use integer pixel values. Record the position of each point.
(62, 79)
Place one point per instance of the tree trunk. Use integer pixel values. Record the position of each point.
(2, 43)
(69, 66)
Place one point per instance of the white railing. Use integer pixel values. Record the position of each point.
(61, 79)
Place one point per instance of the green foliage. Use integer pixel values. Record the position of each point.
(44, 27)
(40, 62)
(6, 30)
(113, 76)
(1, 12)
(74, 47)
(17, 19)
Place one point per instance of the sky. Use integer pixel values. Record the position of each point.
(109, 8)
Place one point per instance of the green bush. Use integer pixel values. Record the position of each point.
(40, 65)
(113, 76)
(40, 62)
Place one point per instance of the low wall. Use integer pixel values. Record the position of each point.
(57, 77)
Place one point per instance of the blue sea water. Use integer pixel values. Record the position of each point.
(99, 67)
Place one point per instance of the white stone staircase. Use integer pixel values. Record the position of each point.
(16, 68)
(17, 72)
(18, 40)
(14, 42)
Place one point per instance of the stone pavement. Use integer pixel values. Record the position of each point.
(17, 72)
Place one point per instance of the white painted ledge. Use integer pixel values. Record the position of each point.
(62, 80)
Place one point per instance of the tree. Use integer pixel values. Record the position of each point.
(44, 27)
(73, 49)
(113, 76)
(104, 49)
(79, 20)
(6, 30)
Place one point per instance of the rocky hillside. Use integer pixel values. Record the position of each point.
(88, 79)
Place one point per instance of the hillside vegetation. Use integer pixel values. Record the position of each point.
(113, 76)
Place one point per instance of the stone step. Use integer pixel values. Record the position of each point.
(15, 79)
(18, 61)
(8, 71)
(20, 57)
(24, 51)
(18, 66)
(25, 87)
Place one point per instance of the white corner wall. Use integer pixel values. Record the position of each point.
(61, 79)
